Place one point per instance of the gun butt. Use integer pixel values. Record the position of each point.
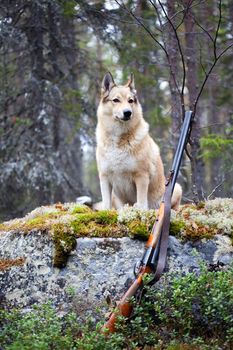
(124, 307)
(124, 310)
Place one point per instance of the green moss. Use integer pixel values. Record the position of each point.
(200, 205)
(139, 230)
(84, 223)
(79, 228)
(81, 209)
(195, 230)
(80, 219)
(40, 222)
(117, 231)
(190, 229)
(98, 224)
(80, 224)
(206, 219)
(106, 217)
(64, 243)
(3, 227)
(176, 227)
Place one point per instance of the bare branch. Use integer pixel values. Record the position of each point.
(180, 51)
(217, 29)
(208, 74)
(143, 26)
(168, 56)
(219, 184)
(203, 29)
(200, 58)
(163, 47)
(184, 10)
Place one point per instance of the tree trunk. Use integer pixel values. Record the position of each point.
(40, 162)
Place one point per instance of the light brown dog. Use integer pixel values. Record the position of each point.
(129, 163)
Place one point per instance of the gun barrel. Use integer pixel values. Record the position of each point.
(180, 147)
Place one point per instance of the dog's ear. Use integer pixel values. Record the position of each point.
(130, 82)
(107, 83)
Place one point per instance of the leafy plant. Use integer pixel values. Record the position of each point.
(40, 329)
(214, 145)
(185, 312)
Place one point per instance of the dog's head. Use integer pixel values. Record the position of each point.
(119, 101)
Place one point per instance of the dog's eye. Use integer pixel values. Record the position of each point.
(116, 100)
(131, 100)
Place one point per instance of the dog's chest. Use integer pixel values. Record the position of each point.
(117, 160)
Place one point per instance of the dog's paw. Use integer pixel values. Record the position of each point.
(143, 206)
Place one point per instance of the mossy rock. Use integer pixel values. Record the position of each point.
(67, 222)
(81, 209)
(102, 217)
(84, 222)
(206, 219)
(177, 226)
(64, 243)
(138, 230)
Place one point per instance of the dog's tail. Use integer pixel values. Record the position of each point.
(176, 196)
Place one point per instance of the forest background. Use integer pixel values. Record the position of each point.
(53, 56)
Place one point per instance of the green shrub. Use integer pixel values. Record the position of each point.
(190, 312)
(40, 329)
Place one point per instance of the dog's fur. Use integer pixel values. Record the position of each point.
(129, 163)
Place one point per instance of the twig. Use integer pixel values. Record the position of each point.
(180, 51)
(143, 26)
(220, 184)
(215, 188)
(203, 29)
(184, 10)
(208, 74)
(168, 57)
(217, 29)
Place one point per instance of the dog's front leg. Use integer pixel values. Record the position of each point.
(106, 191)
(142, 184)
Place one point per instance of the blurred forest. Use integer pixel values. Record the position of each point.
(53, 56)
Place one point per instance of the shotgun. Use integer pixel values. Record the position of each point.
(154, 258)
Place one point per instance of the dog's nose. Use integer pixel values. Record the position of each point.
(127, 114)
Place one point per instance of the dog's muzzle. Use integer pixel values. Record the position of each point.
(127, 114)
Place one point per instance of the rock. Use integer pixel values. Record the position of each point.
(98, 268)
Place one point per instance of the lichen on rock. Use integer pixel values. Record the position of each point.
(64, 223)
(208, 219)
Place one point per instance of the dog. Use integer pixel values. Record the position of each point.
(128, 160)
